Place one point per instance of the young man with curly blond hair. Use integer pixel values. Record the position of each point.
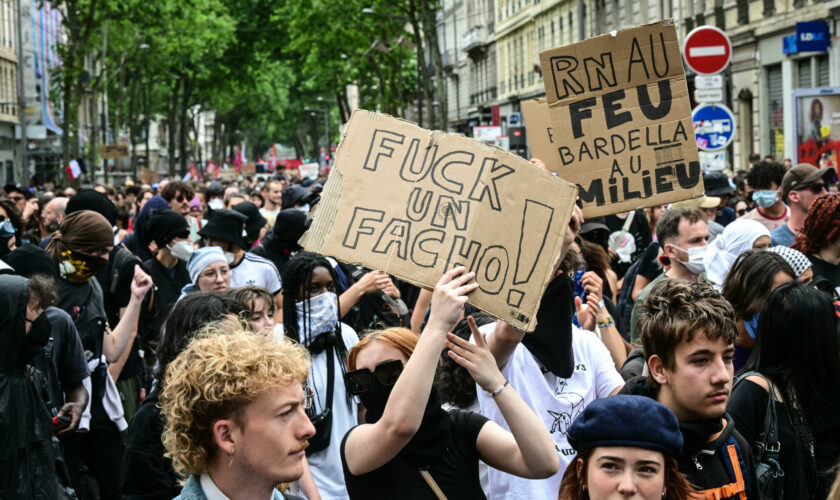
(236, 424)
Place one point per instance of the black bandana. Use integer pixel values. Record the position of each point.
(551, 341)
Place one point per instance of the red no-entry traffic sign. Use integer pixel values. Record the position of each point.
(707, 50)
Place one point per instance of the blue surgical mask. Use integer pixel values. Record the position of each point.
(765, 197)
(752, 326)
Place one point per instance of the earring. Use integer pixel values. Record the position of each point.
(230, 455)
(663, 493)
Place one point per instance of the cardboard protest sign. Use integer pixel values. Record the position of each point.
(415, 203)
(620, 117)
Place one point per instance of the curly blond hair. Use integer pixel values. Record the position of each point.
(224, 368)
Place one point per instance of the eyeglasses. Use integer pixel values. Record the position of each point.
(308, 397)
(741, 211)
(211, 275)
(816, 187)
(360, 381)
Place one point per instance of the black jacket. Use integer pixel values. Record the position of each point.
(27, 456)
(706, 464)
(146, 474)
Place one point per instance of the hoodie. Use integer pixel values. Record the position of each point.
(27, 457)
(705, 463)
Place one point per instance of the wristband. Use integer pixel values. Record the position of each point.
(601, 304)
(499, 390)
(608, 321)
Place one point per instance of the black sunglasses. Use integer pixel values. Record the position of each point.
(816, 187)
(360, 381)
(741, 212)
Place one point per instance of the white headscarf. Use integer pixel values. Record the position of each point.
(738, 237)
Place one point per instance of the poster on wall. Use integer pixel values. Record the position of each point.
(816, 123)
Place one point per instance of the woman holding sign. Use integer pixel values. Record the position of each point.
(408, 446)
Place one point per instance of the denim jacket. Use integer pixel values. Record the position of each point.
(192, 491)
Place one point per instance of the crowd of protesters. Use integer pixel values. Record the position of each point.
(174, 340)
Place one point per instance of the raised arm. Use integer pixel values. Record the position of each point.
(370, 446)
(117, 340)
(528, 450)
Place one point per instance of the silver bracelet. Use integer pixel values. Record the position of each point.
(499, 390)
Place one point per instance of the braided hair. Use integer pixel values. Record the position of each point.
(821, 227)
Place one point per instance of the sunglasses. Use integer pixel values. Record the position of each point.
(741, 212)
(360, 381)
(180, 198)
(816, 187)
(16, 198)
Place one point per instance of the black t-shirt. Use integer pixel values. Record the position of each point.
(640, 230)
(83, 302)
(64, 349)
(159, 301)
(829, 271)
(747, 407)
(456, 473)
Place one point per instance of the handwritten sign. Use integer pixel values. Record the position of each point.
(620, 120)
(415, 203)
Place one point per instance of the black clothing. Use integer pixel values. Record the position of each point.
(27, 456)
(633, 365)
(551, 340)
(640, 230)
(649, 266)
(829, 271)
(267, 251)
(725, 216)
(705, 464)
(83, 302)
(145, 473)
(456, 472)
(159, 302)
(747, 406)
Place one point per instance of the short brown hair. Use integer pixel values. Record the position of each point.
(668, 226)
(674, 311)
(169, 190)
(221, 371)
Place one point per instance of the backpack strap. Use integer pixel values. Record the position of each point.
(767, 443)
(737, 488)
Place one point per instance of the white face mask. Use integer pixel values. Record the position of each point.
(695, 259)
(230, 257)
(303, 208)
(216, 204)
(181, 250)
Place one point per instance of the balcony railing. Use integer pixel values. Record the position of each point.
(474, 38)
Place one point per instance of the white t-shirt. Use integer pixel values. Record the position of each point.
(557, 401)
(326, 464)
(255, 271)
(270, 215)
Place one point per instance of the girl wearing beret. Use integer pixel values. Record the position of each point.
(621, 457)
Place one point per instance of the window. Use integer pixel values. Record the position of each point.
(803, 73)
(822, 70)
(776, 110)
(743, 11)
(769, 8)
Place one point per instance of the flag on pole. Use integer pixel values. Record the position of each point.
(74, 170)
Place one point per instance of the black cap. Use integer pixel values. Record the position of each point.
(255, 220)
(294, 194)
(717, 183)
(594, 224)
(29, 259)
(226, 225)
(164, 225)
(90, 199)
(215, 189)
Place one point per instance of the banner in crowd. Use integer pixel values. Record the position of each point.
(816, 121)
(619, 120)
(415, 203)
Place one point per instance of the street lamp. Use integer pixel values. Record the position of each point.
(326, 112)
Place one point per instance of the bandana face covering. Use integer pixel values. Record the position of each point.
(77, 267)
(322, 315)
(39, 332)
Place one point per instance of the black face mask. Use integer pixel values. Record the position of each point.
(551, 341)
(39, 332)
(375, 399)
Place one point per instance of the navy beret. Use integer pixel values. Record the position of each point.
(631, 421)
